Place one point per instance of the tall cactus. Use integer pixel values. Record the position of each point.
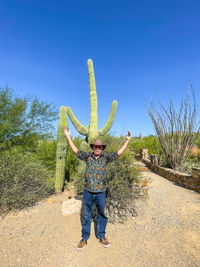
(61, 151)
(91, 131)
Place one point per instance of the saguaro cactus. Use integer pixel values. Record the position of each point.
(91, 131)
(61, 151)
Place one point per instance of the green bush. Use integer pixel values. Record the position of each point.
(198, 142)
(121, 176)
(23, 181)
(46, 152)
(72, 160)
(192, 162)
(150, 142)
(24, 120)
(79, 175)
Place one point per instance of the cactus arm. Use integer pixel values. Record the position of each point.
(79, 127)
(110, 120)
(93, 97)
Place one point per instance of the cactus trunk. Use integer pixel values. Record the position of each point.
(93, 101)
(61, 151)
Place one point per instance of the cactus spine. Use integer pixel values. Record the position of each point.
(61, 151)
(92, 131)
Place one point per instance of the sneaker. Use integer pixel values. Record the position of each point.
(82, 244)
(105, 243)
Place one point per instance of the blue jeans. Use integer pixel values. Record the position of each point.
(88, 200)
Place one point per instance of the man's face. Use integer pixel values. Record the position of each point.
(97, 149)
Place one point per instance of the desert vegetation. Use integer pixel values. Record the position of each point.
(27, 150)
(28, 158)
(177, 128)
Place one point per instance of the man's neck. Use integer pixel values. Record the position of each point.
(96, 157)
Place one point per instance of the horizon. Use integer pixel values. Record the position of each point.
(141, 52)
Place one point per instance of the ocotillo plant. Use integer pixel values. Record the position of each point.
(61, 151)
(91, 131)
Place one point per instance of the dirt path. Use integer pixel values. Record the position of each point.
(166, 233)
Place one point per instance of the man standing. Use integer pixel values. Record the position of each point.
(95, 186)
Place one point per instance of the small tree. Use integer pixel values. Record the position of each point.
(24, 120)
(177, 130)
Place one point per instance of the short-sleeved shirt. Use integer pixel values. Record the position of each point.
(95, 175)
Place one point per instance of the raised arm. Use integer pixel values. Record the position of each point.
(128, 138)
(73, 147)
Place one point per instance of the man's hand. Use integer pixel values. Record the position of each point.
(128, 136)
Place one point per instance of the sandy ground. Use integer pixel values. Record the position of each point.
(166, 232)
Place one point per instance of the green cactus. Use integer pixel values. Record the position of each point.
(61, 151)
(91, 131)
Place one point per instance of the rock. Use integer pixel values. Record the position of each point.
(71, 206)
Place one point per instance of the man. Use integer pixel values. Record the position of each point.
(95, 186)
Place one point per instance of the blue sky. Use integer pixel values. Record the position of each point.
(141, 50)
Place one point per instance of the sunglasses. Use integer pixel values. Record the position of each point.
(99, 147)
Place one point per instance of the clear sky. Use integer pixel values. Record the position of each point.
(142, 51)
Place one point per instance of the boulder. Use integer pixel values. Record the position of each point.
(71, 206)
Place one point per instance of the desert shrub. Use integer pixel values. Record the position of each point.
(150, 142)
(198, 142)
(188, 165)
(72, 160)
(136, 144)
(24, 120)
(79, 175)
(122, 181)
(121, 177)
(46, 152)
(23, 181)
(191, 162)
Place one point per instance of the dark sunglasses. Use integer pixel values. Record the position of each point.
(99, 147)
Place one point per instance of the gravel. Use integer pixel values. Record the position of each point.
(166, 232)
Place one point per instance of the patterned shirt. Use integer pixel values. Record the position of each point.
(95, 175)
